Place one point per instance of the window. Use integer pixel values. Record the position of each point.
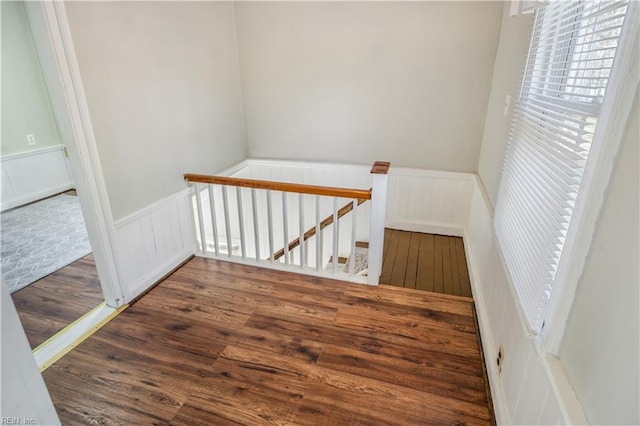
(571, 55)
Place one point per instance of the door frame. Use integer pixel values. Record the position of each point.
(54, 45)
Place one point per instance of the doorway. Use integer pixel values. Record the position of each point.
(46, 255)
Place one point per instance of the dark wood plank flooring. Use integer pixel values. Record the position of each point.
(55, 301)
(218, 343)
(434, 263)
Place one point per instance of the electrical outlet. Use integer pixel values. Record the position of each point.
(31, 140)
(500, 358)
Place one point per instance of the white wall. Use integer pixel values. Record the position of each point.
(507, 74)
(600, 346)
(163, 89)
(599, 355)
(25, 102)
(523, 392)
(23, 394)
(357, 82)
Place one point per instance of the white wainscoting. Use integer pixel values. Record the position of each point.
(417, 200)
(429, 201)
(524, 392)
(309, 173)
(33, 175)
(153, 241)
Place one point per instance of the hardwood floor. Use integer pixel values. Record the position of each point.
(435, 263)
(219, 343)
(55, 301)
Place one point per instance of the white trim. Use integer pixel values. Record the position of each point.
(439, 174)
(571, 408)
(234, 169)
(65, 340)
(52, 36)
(10, 157)
(302, 164)
(152, 207)
(623, 84)
(36, 196)
(359, 279)
(150, 279)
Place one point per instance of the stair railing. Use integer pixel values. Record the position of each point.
(217, 214)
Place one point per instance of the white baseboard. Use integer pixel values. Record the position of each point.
(35, 196)
(34, 175)
(145, 282)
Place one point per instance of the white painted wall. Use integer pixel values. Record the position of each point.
(25, 102)
(510, 58)
(354, 82)
(600, 346)
(163, 89)
(23, 394)
(599, 355)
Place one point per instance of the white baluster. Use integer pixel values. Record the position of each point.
(285, 229)
(270, 225)
(352, 257)
(255, 222)
(335, 234)
(203, 239)
(214, 223)
(243, 246)
(227, 225)
(301, 222)
(318, 236)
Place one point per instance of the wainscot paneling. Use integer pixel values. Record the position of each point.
(33, 175)
(153, 241)
(340, 175)
(523, 392)
(417, 200)
(429, 201)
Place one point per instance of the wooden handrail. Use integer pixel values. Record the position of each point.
(312, 231)
(361, 194)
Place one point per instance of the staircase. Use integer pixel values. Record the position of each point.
(241, 220)
(360, 261)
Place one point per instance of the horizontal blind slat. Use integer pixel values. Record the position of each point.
(564, 81)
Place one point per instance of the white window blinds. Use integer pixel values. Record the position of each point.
(571, 54)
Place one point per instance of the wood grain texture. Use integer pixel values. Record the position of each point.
(55, 301)
(222, 343)
(330, 191)
(434, 263)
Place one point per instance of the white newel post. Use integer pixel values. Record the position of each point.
(379, 178)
